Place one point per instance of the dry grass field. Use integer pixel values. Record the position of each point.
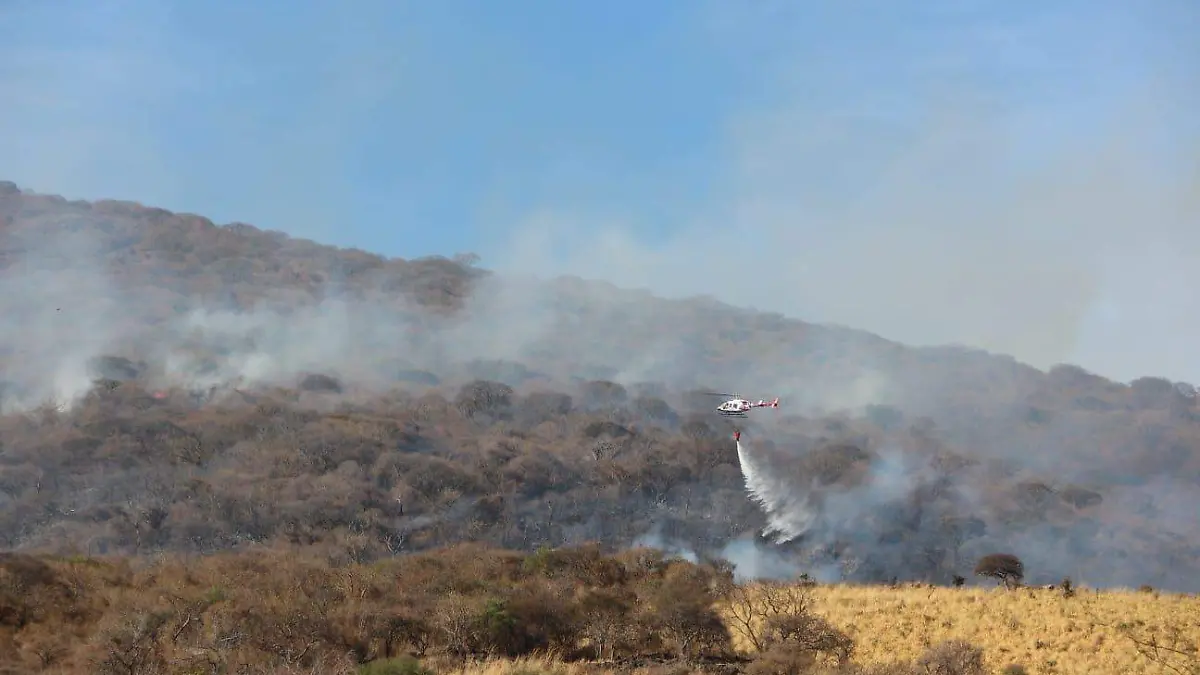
(1041, 630)
(1092, 633)
(548, 666)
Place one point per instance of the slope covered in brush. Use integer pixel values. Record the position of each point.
(168, 383)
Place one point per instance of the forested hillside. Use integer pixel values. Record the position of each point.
(171, 384)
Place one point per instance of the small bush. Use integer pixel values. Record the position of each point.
(952, 657)
(402, 665)
(798, 642)
(781, 660)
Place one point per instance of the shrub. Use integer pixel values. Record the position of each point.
(952, 657)
(1005, 567)
(402, 665)
(792, 640)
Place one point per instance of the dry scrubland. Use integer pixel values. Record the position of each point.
(276, 446)
(234, 387)
(472, 609)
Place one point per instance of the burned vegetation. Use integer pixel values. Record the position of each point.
(415, 433)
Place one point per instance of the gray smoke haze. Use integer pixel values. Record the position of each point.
(1049, 212)
(67, 306)
(851, 532)
(57, 302)
(1084, 259)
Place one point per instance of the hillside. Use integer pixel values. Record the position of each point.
(173, 385)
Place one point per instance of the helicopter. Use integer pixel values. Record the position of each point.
(737, 406)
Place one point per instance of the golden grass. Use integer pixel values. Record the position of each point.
(549, 666)
(1036, 628)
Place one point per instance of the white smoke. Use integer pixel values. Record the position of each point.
(789, 514)
(56, 302)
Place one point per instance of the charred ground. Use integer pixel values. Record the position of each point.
(174, 385)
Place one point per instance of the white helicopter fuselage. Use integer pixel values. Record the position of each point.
(734, 407)
(738, 407)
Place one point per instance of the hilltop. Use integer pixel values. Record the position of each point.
(169, 384)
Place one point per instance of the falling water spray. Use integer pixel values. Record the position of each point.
(788, 512)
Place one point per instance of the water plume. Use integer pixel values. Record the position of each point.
(788, 513)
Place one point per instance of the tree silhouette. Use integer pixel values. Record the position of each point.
(1005, 567)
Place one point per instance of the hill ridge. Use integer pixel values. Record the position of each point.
(166, 373)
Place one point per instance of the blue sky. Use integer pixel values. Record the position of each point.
(397, 127)
(689, 147)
